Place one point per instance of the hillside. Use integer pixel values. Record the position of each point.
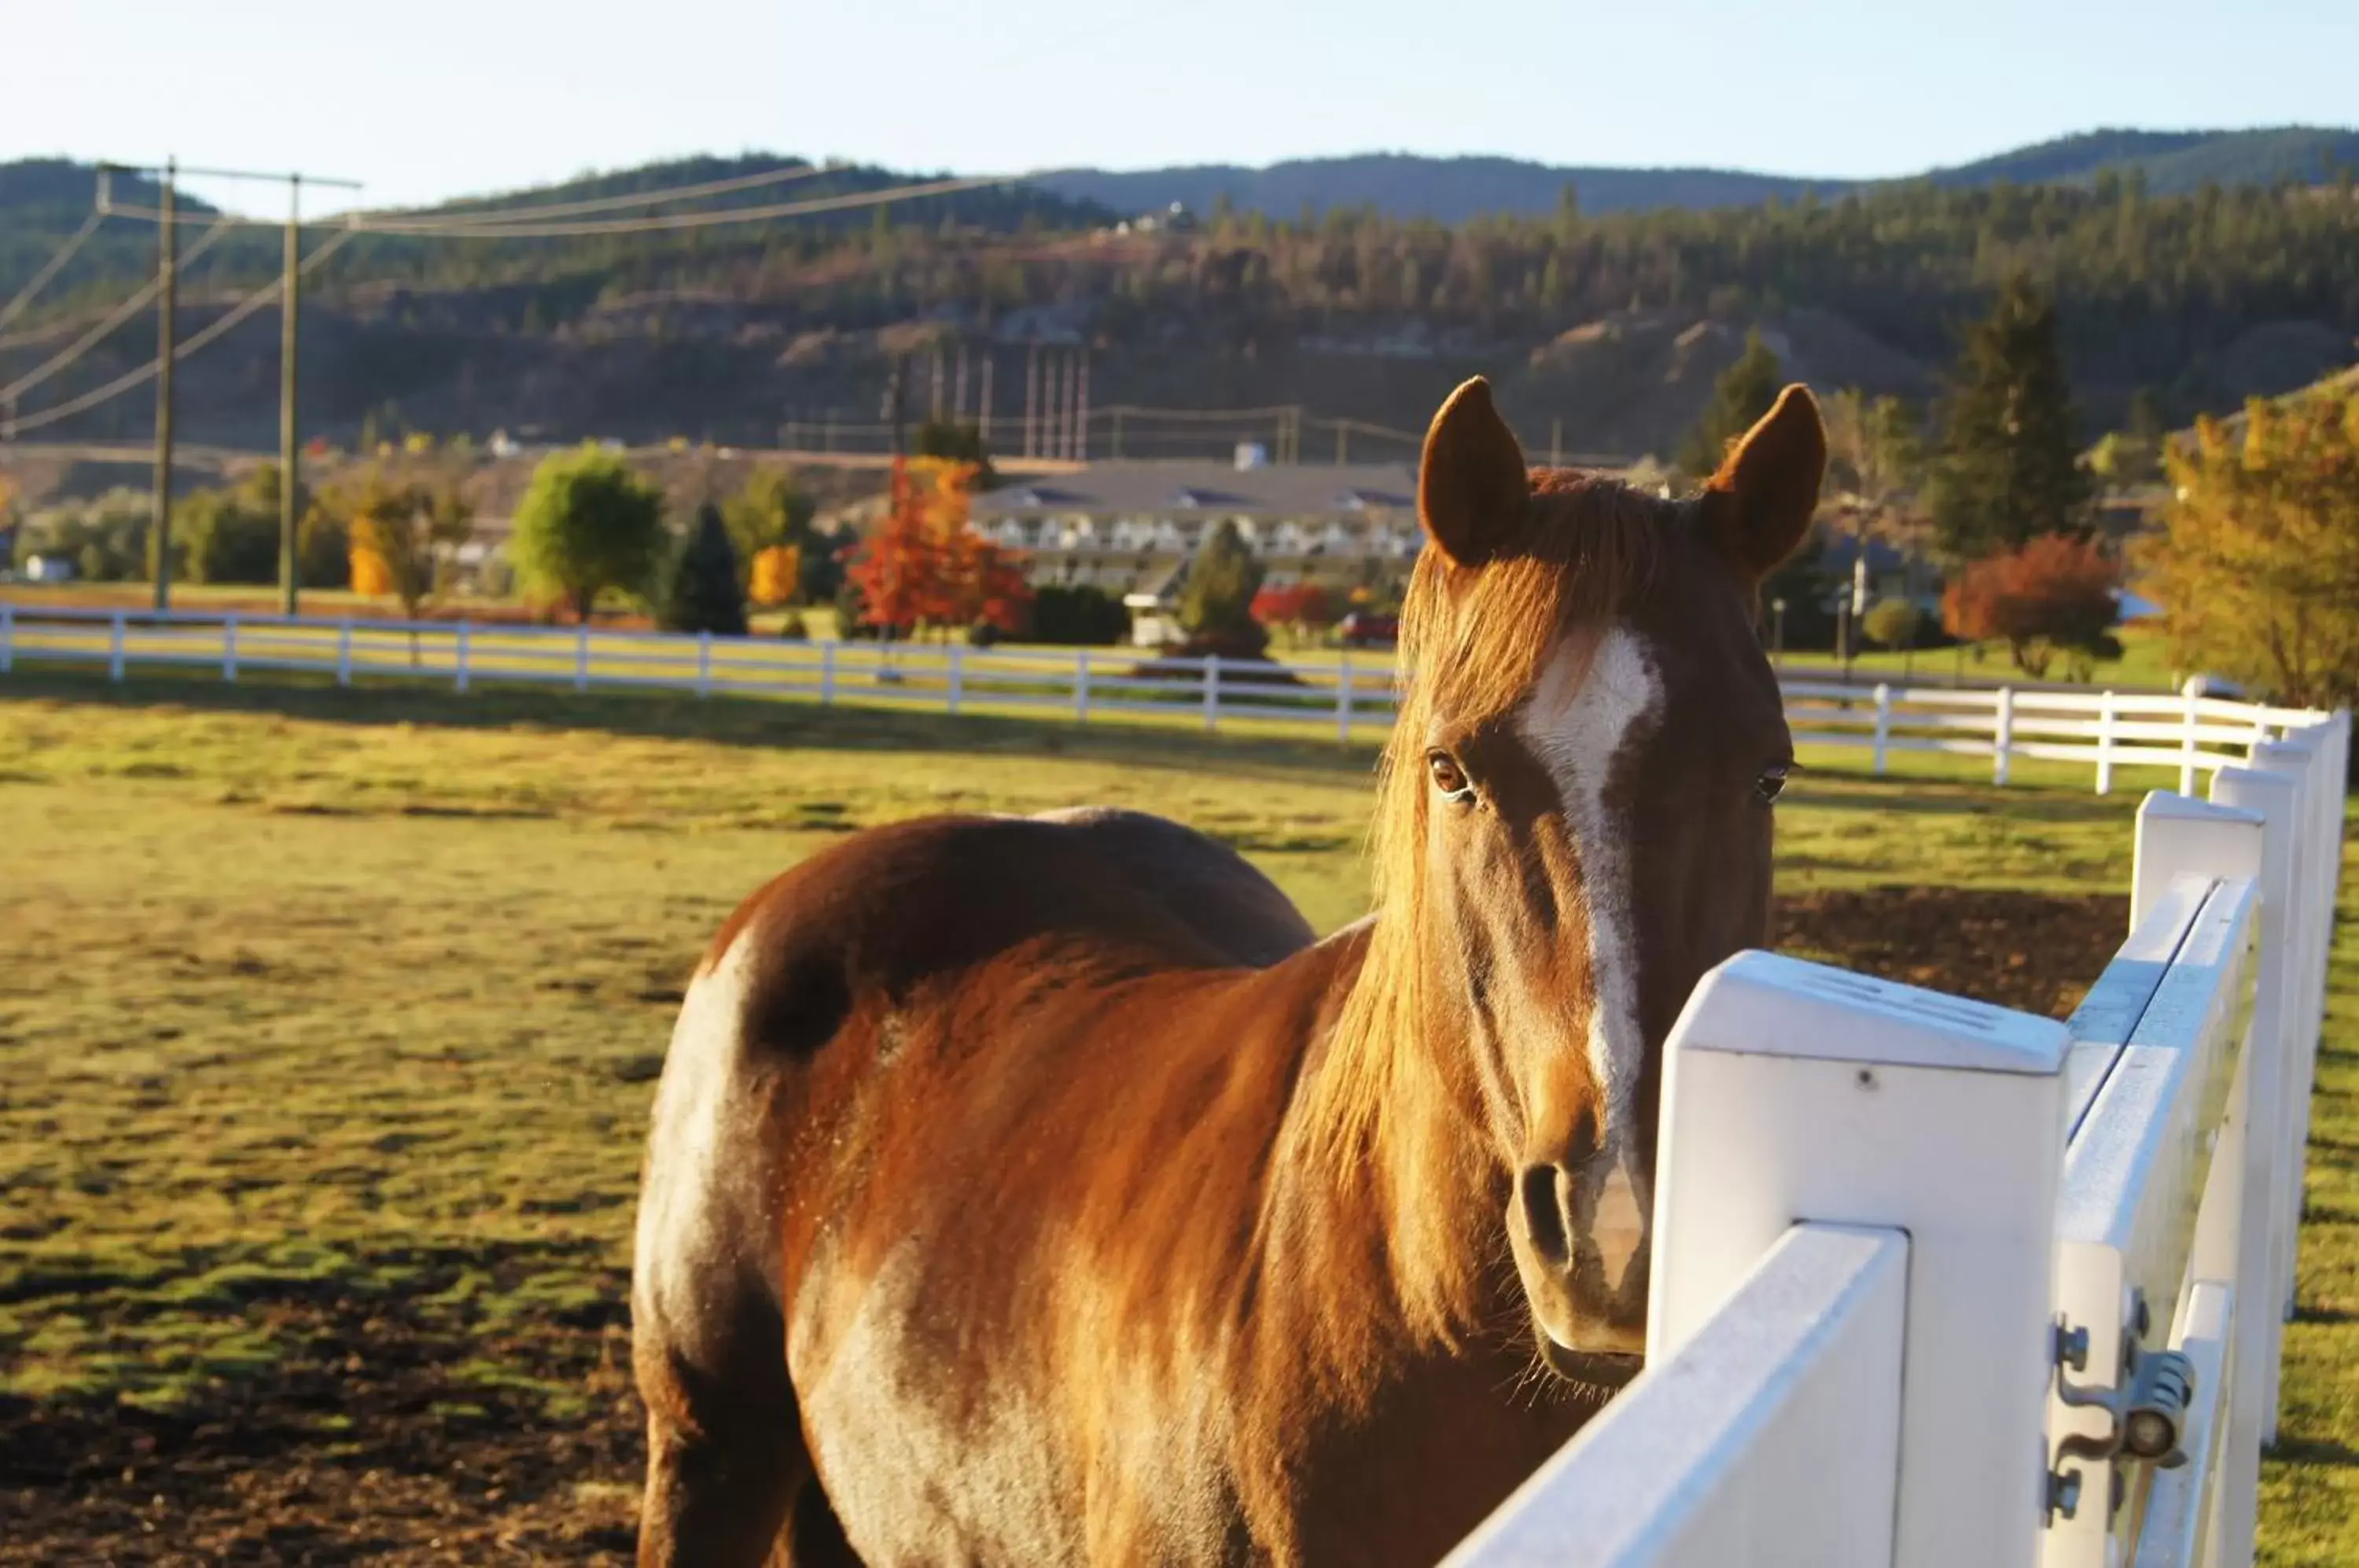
(1602, 329)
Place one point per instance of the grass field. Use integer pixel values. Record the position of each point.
(329, 1019)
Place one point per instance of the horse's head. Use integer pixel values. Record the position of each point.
(1581, 789)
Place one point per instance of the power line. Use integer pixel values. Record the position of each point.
(478, 227)
(130, 378)
(114, 319)
(50, 268)
(610, 203)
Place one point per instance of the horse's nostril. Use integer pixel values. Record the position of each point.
(1544, 1215)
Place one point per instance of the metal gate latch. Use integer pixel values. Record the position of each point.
(2149, 1410)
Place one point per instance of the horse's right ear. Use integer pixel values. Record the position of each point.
(1472, 485)
(1768, 488)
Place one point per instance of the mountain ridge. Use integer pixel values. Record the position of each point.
(1455, 189)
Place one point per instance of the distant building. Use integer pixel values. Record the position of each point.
(1130, 528)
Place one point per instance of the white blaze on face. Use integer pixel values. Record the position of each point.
(1580, 719)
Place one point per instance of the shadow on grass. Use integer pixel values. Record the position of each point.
(2312, 1451)
(726, 720)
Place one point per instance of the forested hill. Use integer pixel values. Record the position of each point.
(1608, 323)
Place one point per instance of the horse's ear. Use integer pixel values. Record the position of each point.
(1770, 483)
(1471, 485)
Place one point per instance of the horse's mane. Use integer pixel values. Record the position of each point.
(1472, 643)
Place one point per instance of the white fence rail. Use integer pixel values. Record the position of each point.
(1938, 1284)
(2186, 733)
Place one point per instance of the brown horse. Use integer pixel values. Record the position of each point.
(1037, 1190)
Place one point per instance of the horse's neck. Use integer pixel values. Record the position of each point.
(1395, 1231)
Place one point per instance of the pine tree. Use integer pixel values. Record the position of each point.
(1739, 398)
(2010, 469)
(705, 594)
(1216, 604)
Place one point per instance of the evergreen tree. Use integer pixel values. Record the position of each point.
(1742, 394)
(2010, 469)
(705, 594)
(1216, 604)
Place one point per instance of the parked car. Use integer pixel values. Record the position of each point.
(1362, 628)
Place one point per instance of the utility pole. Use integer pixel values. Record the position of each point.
(983, 402)
(1031, 396)
(290, 288)
(1082, 411)
(290, 292)
(159, 526)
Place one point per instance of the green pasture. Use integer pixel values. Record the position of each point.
(361, 993)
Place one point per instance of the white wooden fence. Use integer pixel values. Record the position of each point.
(1937, 1284)
(2186, 732)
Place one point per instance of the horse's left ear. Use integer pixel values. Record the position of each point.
(1473, 489)
(1768, 487)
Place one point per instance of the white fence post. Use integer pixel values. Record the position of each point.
(958, 675)
(1883, 724)
(1343, 699)
(2190, 697)
(581, 658)
(827, 672)
(459, 656)
(229, 647)
(2250, 1251)
(2001, 734)
(2105, 744)
(1798, 1092)
(1211, 690)
(704, 664)
(345, 651)
(1082, 687)
(115, 646)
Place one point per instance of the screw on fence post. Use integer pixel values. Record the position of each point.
(229, 647)
(459, 675)
(1883, 724)
(2003, 735)
(1343, 699)
(581, 658)
(1211, 690)
(345, 651)
(2105, 744)
(1082, 687)
(704, 664)
(115, 647)
(827, 672)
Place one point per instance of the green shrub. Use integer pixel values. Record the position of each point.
(1079, 616)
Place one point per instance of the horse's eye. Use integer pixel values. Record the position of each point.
(1771, 783)
(1448, 776)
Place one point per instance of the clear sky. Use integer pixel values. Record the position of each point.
(430, 99)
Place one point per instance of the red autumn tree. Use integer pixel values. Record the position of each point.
(2053, 595)
(1303, 608)
(926, 567)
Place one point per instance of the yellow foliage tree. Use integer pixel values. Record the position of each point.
(777, 572)
(2257, 570)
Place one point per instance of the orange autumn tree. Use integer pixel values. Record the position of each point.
(2053, 595)
(777, 573)
(2257, 569)
(926, 567)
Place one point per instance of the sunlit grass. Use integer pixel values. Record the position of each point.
(314, 993)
